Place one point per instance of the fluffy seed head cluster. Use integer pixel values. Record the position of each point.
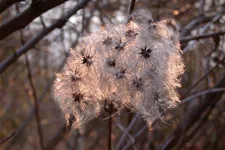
(135, 65)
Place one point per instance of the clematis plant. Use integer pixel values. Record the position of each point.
(136, 65)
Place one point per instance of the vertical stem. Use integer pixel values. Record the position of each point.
(34, 93)
(131, 6)
(36, 104)
(110, 132)
(158, 9)
(110, 109)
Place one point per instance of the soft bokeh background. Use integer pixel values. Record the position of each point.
(197, 123)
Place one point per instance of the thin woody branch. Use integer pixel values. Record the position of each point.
(32, 42)
(24, 18)
(4, 4)
(192, 116)
(7, 138)
(203, 36)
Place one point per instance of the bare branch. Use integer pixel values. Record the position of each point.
(42, 22)
(30, 78)
(126, 132)
(200, 80)
(121, 140)
(128, 145)
(4, 4)
(6, 139)
(194, 23)
(32, 42)
(203, 36)
(192, 116)
(23, 19)
(132, 6)
(36, 104)
(200, 94)
(32, 112)
(205, 27)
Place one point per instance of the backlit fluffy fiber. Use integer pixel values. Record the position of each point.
(135, 65)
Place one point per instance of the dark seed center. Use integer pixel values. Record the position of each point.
(120, 74)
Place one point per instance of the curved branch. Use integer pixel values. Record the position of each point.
(58, 24)
(202, 36)
(192, 116)
(7, 138)
(23, 19)
(132, 6)
(4, 4)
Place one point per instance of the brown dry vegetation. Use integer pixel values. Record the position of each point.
(35, 43)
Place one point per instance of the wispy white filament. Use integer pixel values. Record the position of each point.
(135, 65)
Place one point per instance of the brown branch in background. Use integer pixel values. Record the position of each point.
(131, 138)
(24, 18)
(201, 11)
(32, 112)
(42, 22)
(32, 42)
(30, 78)
(25, 48)
(205, 27)
(36, 108)
(63, 131)
(192, 131)
(136, 137)
(132, 4)
(218, 137)
(110, 109)
(110, 132)
(29, 118)
(201, 93)
(201, 79)
(123, 136)
(194, 23)
(192, 116)
(36, 104)
(4, 4)
(203, 36)
(7, 138)
(158, 5)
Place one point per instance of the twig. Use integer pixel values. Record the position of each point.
(128, 145)
(63, 131)
(7, 138)
(110, 132)
(119, 144)
(192, 116)
(36, 105)
(4, 4)
(218, 137)
(126, 132)
(32, 42)
(200, 94)
(189, 134)
(204, 28)
(201, 79)
(32, 112)
(131, 6)
(22, 20)
(42, 22)
(30, 78)
(110, 109)
(203, 36)
(190, 26)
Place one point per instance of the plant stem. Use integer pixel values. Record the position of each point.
(110, 131)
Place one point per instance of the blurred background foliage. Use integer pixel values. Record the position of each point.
(28, 65)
